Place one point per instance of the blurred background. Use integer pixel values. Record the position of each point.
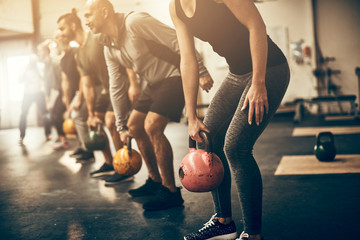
(310, 32)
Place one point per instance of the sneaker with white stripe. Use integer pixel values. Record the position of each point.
(214, 230)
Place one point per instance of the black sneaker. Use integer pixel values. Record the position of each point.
(164, 199)
(245, 236)
(105, 169)
(85, 156)
(213, 229)
(148, 189)
(77, 153)
(117, 178)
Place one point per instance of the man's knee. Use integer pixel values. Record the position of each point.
(136, 128)
(110, 120)
(154, 127)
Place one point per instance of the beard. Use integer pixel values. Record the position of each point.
(70, 36)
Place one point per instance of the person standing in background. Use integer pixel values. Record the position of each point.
(34, 91)
(53, 94)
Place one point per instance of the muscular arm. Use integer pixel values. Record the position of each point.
(65, 87)
(246, 12)
(134, 88)
(118, 86)
(81, 91)
(89, 94)
(190, 73)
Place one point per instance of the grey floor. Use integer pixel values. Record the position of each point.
(44, 194)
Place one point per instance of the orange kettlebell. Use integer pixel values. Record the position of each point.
(127, 161)
(69, 126)
(201, 170)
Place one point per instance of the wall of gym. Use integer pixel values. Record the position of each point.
(288, 21)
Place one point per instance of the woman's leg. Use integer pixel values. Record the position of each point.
(217, 119)
(239, 141)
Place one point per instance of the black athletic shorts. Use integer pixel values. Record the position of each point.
(165, 98)
(103, 103)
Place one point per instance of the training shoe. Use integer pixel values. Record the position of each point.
(105, 169)
(117, 178)
(164, 199)
(245, 236)
(148, 189)
(213, 229)
(85, 156)
(77, 153)
(60, 145)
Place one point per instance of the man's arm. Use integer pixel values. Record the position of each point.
(118, 87)
(90, 97)
(65, 87)
(134, 88)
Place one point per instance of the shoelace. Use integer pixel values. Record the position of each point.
(208, 224)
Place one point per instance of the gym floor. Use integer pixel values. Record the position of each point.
(44, 194)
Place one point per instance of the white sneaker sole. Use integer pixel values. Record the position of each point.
(230, 236)
(102, 174)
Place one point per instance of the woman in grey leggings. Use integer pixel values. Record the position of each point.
(243, 105)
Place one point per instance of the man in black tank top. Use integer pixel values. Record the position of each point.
(242, 106)
(95, 84)
(73, 98)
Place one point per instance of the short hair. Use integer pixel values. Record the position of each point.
(71, 18)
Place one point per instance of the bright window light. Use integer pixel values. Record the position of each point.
(15, 67)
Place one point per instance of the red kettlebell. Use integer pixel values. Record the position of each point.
(201, 170)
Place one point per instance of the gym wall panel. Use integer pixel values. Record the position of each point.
(16, 16)
(51, 10)
(296, 17)
(339, 37)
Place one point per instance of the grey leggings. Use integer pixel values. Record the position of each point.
(233, 141)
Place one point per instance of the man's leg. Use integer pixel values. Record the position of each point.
(110, 124)
(137, 130)
(107, 168)
(41, 104)
(154, 126)
(106, 152)
(79, 117)
(27, 101)
(167, 195)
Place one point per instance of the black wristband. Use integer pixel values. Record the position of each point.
(122, 129)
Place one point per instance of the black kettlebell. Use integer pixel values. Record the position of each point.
(324, 149)
(95, 140)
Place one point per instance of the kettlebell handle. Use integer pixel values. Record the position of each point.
(98, 128)
(204, 135)
(322, 134)
(128, 144)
